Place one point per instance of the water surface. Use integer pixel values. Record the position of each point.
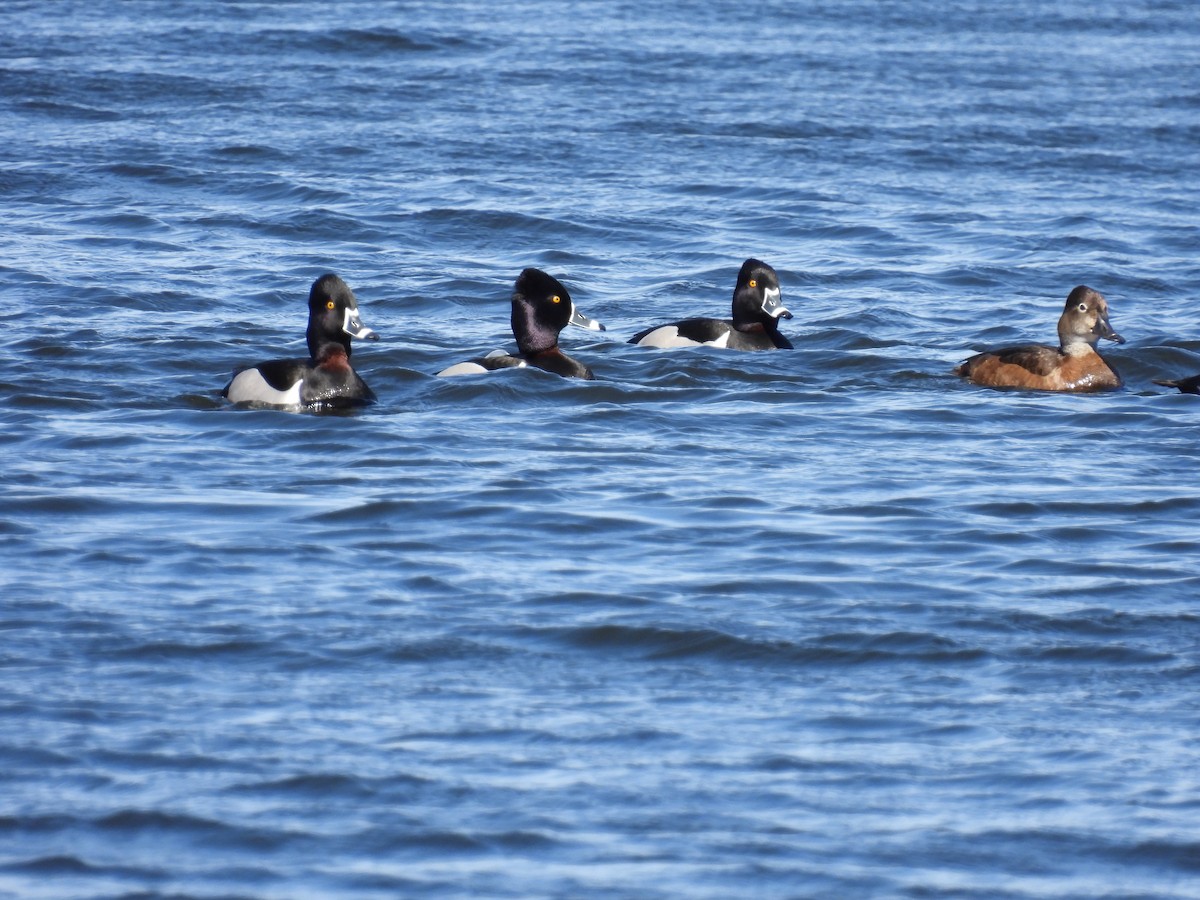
(816, 623)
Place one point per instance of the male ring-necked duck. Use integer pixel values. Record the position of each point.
(1186, 385)
(326, 378)
(541, 308)
(757, 309)
(1072, 366)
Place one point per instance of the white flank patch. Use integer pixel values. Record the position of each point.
(665, 337)
(463, 368)
(722, 341)
(250, 387)
(474, 368)
(668, 336)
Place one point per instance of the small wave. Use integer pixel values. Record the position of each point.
(1098, 621)
(840, 650)
(53, 865)
(373, 511)
(444, 650)
(442, 841)
(303, 195)
(1183, 855)
(144, 761)
(368, 42)
(33, 757)
(326, 786)
(577, 599)
(248, 152)
(177, 650)
(155, 173)
(65, 110)
(125, 220)
(58, 505)
(1109, 654)
(1076, 509)
(788, 763)
(1051, 847)
(115, 242)
(216, 833)
(65, 865)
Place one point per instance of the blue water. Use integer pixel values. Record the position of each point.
(819, 623)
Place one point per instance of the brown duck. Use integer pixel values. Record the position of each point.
(1072, 366)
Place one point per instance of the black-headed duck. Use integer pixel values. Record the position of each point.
(757, 309)
(325, 379)
(541, 308)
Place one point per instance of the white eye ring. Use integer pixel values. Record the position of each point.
(1083, 307)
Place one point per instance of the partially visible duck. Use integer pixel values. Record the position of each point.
(757, 309)
(541, 308)
(325, 379)
(1186, 385)
(1072, 366)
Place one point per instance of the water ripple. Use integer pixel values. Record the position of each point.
(820, 622)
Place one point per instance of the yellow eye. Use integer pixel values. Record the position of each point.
(556, 299)
(753, 283)
(330, 305)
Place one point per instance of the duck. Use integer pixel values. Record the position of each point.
(1073, 366)
(1190, 385)
(324, 380)
(541, 308)
(757, 309)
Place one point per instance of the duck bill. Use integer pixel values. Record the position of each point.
(354, 327)
(1105, 331)
(773, 305)
(579, 320)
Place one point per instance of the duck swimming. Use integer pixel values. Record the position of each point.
(1186, 385)
(541, 308)
(1072, 366)
(757, 309)
(325, 379)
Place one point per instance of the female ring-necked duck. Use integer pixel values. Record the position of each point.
(1072, 366)
(541, 308)
(326, 378)
(757, 309)
(1186, 385)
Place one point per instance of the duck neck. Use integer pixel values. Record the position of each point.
(1076, 347)
(529, 352)
(533, 337)
(320, 348)
(765, 323)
